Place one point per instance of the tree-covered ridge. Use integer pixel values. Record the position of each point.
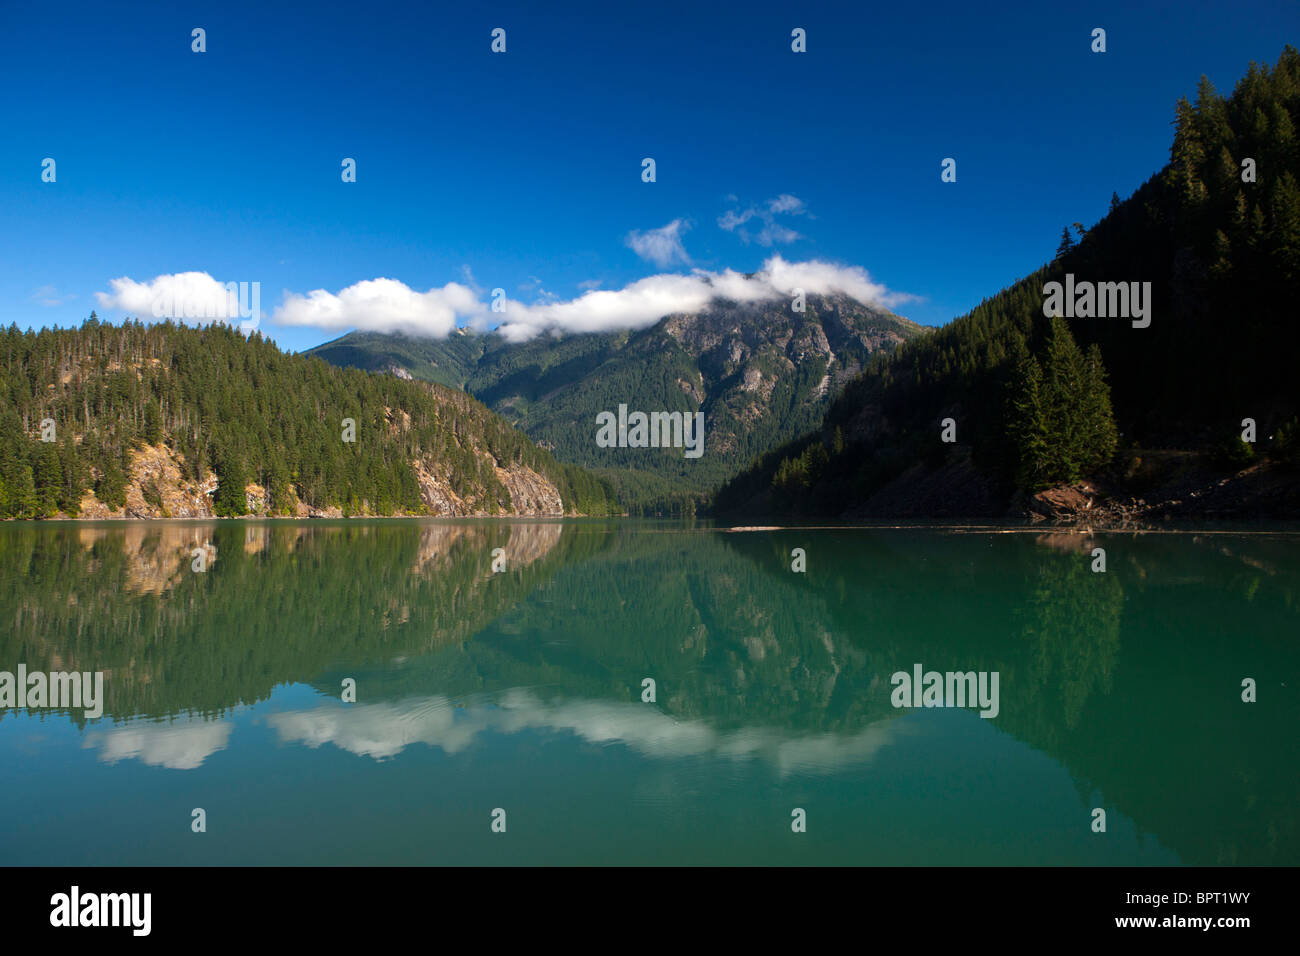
(1217, 234)
(760, 372)
(240, 411)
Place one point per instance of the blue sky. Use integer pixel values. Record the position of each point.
(522, 170)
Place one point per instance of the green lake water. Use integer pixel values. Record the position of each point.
(521, 690)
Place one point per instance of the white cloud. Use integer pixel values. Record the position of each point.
(388, 305)
(772, 233)
(662, 246)
(824, 278)
(637, 305)
(730, 219)
(382, 305)
(183, 295)
(785, 203)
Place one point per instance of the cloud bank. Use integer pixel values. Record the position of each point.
(646, 301)
(389, 305)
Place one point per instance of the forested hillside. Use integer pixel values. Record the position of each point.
(1039, 401)
(171, 421)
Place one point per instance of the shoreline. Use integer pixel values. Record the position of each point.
(1228, 526)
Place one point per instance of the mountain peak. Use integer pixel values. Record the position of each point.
(762, 372)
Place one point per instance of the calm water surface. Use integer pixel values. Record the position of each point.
(522, 690)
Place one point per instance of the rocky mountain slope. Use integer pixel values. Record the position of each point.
(760, 372)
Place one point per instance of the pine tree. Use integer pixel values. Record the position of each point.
(47, 473)
(1063, 375)
(75, 477)
(1284, 234)
(1186, 156)
(230, 501)
(23, 502)
(153, 425)
(1099, 434)
(1066, 244)
(111, 486)
(1027, 424)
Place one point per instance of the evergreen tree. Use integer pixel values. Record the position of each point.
(48, 478)
(76, 477)
(153, 425)
(1187, 156)
(1099, 435)
(1066, 244)
(1027, 421)
(1064, 382)
(111, 486)
(1284, 235)
(23, 502)
(230, 499)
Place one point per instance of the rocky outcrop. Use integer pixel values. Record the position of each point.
(1191, 490)
(158, 487)
(1063, 502)
(530, 493)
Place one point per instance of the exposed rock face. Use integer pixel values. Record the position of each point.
(156, 474)
(158, 488)
(437, 494)
(745, 351)
(530, 493)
